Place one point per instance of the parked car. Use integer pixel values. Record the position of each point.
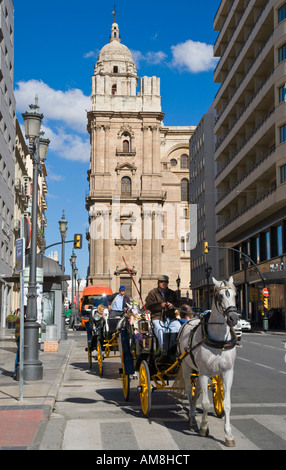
(244, 324)
(238, 331)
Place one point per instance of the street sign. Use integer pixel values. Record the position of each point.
(20, 255)
(265, 292)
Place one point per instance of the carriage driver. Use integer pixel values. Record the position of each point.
(160, 300)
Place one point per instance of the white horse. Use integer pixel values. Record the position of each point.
(211, 351)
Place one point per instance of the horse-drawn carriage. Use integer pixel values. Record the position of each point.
(102, 336)
(199, 359)
(157, 368)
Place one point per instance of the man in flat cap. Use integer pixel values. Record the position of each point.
(162, 301)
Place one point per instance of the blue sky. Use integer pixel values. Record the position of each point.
(56, 47)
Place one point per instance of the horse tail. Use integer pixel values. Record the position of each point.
(178, 388)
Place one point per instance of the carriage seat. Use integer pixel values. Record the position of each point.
(169, 344)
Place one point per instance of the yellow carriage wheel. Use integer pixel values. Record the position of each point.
(217, 388)
(145, 388)
(89, 356)
(99, 358)
(125, 380)
(194, 378)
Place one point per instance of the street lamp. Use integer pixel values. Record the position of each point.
(178, 282)
(32, 368)
(208, 271)
(244, 265)
(63, 231)
(78, 286)
(72, 262)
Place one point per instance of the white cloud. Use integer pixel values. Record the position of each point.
(67, 144)
(151, 58)
(65, 117)
(193, 56)
(68, 106)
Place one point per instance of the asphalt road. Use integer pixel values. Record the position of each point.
(91, 412)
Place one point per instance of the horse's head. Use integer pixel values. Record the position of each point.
(225, 300)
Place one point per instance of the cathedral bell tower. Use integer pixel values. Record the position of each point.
(124, 176)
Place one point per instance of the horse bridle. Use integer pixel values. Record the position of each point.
(227, 311)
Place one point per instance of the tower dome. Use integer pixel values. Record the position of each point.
(115, 57)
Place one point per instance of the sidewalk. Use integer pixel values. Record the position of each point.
(22, 423)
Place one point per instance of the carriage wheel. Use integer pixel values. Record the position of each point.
(145, 388)
(218, 395)
(99, 358)
(125, 381)
(193, 383)
(89, 356)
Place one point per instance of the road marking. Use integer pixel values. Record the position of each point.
(243, 359)
(263, 365)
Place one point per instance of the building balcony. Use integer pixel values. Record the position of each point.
(120, 152)
(252, 214)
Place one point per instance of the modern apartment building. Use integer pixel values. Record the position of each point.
(202, 194)
(7, 153)
(250, 151)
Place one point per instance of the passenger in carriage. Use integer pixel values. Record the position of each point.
(162, 301)
(117, 303)
(186, 313)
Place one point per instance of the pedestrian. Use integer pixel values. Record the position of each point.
(162, 301)
(117, 303)
(72, 317)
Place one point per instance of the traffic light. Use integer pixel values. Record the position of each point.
(265, 302)
(206, 247)
(77, 241)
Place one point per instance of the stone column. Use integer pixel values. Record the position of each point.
(155, 150)
(156, 243)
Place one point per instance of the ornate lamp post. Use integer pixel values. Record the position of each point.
(63, 231)
(208, 271)
(178, 282)
(72, 262)
(33, 369)
(78, 286)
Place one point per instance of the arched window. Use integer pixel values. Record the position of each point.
(126, 185)
(113, 89)
(185, 190)
(125, 147)
(184, 161)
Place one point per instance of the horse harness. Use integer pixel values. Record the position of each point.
(206, 339)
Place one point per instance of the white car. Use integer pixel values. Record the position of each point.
(243, 323)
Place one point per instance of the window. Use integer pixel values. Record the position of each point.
(282, 53)
(173, 162)
(113, 89)
(282, 94)
(283, 133)
(115, 69)
(184, 162)
(126, 186)
(125, 146)
(280, 240)
(283, 174)
(185, 190)
(282, 13)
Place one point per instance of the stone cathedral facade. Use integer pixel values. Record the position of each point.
(138, 201)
